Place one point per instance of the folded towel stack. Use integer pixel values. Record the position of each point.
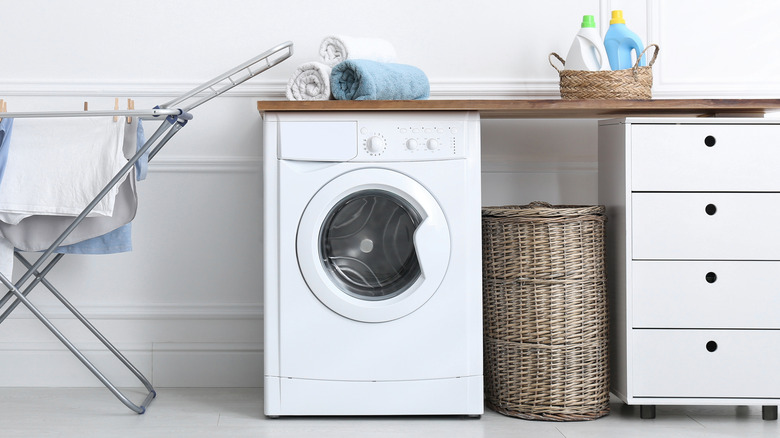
(362, 69)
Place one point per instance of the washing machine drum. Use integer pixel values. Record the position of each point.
(373, 252)
(367, 246)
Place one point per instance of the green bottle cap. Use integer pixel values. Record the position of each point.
(588, 21)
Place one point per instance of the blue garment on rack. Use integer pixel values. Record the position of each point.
(6, 126)
(119, 240)
(35, 233)
(362, 79)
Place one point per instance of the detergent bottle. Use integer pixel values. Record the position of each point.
(587, 51)
(620, 41)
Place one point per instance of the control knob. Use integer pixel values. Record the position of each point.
(432, 144)
(375, 144)
(411, 144)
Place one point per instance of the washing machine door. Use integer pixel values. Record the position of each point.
(373, 245)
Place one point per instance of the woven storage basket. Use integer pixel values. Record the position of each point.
(545, 311)
(631, 83)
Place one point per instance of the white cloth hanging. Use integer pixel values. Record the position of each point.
(56, 166)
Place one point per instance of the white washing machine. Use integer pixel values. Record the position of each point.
(373, 300)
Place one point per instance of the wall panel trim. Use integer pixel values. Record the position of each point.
(274, 89)
(169, 311)
(214, 164)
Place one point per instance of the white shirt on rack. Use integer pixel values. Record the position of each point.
(56, 166)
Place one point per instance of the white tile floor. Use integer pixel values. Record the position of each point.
(231, 412)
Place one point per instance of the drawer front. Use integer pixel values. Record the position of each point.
(678, 158)
(706, 226)
(705, 294)
(679, 363)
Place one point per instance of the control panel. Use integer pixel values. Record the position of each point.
(417, 140)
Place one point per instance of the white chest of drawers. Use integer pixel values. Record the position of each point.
(693, 240)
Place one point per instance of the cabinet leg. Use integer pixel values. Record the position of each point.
(769, 413)
(647, 412)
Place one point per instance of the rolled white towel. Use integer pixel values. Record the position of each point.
(337, 48)
(310, 81)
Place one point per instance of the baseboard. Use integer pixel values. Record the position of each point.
(226, 365)
(50, 364)
(198, 359)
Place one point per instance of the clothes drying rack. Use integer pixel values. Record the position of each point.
(177, 114)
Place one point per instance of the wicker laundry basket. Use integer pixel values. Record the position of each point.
(631, 83)
(545, 311)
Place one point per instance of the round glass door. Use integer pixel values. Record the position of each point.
(367, 245)
(373, 245)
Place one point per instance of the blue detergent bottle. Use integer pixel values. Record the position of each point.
(620, 41)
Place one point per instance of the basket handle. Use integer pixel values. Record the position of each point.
(540, 204)
(549, 58)
(652, 61)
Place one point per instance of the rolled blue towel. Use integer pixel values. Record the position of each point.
(361, 79)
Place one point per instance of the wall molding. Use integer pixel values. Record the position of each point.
(497, 88)
(204, 164)
(227, 164)
(167, 312)
(88, 346)
(440, 89)
(510, 165)
(111, 88)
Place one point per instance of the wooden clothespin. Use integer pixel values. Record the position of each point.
(3, 107)
(86, 106)
(116, 107)
(130, 106)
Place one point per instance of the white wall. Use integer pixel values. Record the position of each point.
(186, 304)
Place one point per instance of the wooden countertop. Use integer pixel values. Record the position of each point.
(559, 109)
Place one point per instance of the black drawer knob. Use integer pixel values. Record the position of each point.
(710, 209)
(711, 277)
(709, 141)
(712, 346)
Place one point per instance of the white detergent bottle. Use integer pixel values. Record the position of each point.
(587, 51)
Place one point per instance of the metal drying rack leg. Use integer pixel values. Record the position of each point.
(140, 409)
